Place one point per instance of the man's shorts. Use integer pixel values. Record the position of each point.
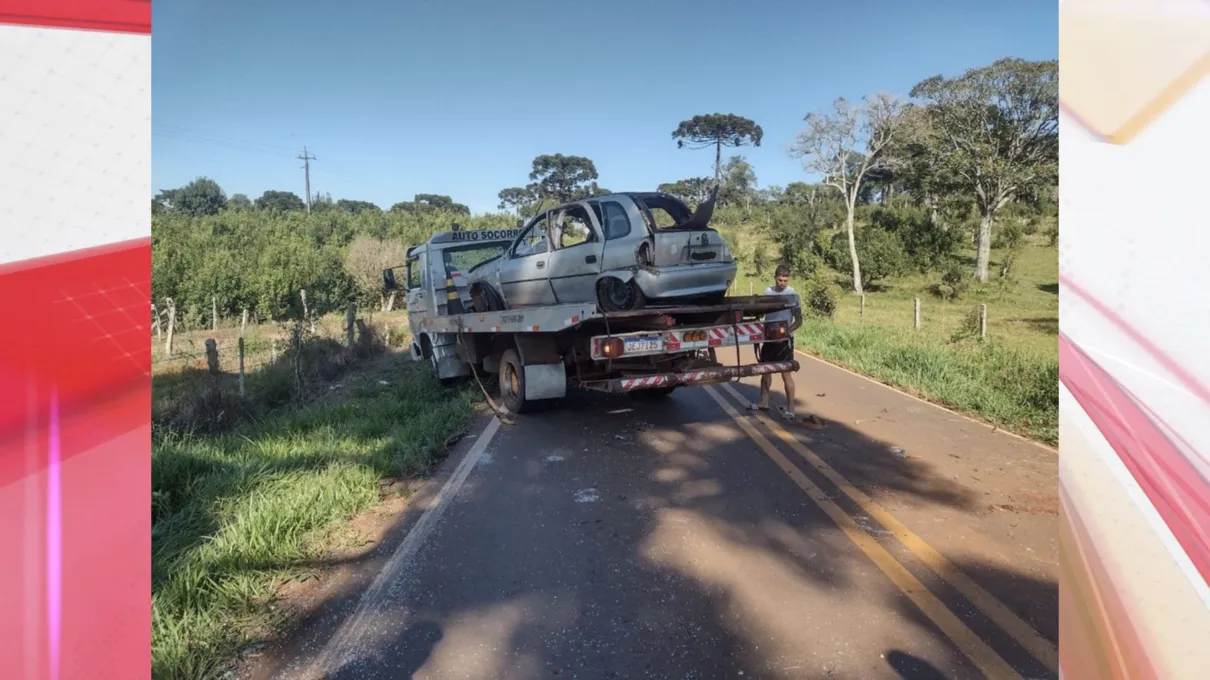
(776, 351)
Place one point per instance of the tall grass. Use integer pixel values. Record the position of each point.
(234, 515)
(1010, 386)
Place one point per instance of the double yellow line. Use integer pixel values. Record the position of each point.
(984, 657)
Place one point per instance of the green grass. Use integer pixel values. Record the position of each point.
(1009, 379)
(235, 515)
(1013, 387)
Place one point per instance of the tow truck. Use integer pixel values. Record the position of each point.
(539, 352)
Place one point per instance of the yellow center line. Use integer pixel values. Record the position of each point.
(984, 658)
(1020, 631)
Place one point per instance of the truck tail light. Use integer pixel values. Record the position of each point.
(611, 348)
(694, 336)
(776, 330)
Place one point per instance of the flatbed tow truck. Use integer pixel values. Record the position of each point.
(538, 352)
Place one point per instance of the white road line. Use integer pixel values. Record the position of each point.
(358, 625)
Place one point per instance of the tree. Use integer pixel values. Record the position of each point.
(202, 196)
(739, 183)
(239, 202)
(882, 252)
(284, 201)
(440, 202)
(717, 130)
(563, 178)
(516, 198)
(693, 190)
(844, 146)
(429, 203)
(365, 260)
(992, 132)
(351, 207)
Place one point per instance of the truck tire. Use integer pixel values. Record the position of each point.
(512, 383)
(652, 394)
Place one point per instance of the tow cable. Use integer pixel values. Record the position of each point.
(501, 414)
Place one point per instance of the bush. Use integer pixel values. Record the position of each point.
(1052, 235)
(954, 282)
(819, 298)
(880, 253)
(1008, 235)
(927, 245)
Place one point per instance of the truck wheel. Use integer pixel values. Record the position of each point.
(512, 383)
(652, 394)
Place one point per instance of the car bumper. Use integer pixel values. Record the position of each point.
(686, 280)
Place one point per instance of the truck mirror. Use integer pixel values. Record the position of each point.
(388, 279)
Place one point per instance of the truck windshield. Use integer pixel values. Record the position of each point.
(466, 258)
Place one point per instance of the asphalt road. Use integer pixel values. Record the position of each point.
(685, 538)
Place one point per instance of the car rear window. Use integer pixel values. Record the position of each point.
(663, 212)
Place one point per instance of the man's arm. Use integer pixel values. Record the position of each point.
(796, 312)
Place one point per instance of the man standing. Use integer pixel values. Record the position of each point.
(781, 351)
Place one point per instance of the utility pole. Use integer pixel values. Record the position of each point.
(306, 158)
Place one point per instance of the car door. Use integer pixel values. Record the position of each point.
(416, 304)
(576, 259)
(524, 281)
(623, 228)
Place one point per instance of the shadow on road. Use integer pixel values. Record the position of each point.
(623, 539)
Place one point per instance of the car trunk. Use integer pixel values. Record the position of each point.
(687, 246)
(680, 237)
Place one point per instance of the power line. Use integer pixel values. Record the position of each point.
(306, 158)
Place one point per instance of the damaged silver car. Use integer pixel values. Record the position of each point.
(622, 251)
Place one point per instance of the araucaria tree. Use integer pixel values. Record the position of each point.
(992, 133)
(845, 146)
(717, 130)
(563, 178)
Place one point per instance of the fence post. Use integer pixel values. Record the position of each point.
(155, 321)
(214, 312)
(241, 366)
(243, 323)
(350, 313)
(982, 320)
(171, 325)
(212, 356)
(297, 341)
(863, 306)
(273, 350)
(916, 305)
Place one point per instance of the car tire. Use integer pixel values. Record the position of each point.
(614, 295)
(484, 298)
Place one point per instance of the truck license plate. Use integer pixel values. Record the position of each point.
(651, 343)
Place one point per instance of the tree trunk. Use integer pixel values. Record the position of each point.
(391, 302)
(718, 161)
(853, 251)
(983, 243)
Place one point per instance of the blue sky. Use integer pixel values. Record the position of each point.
(456, 97)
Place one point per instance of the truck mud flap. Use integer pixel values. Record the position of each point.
(703, 376)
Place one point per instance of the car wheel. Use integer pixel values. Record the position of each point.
(484, 298)
(614, 295)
